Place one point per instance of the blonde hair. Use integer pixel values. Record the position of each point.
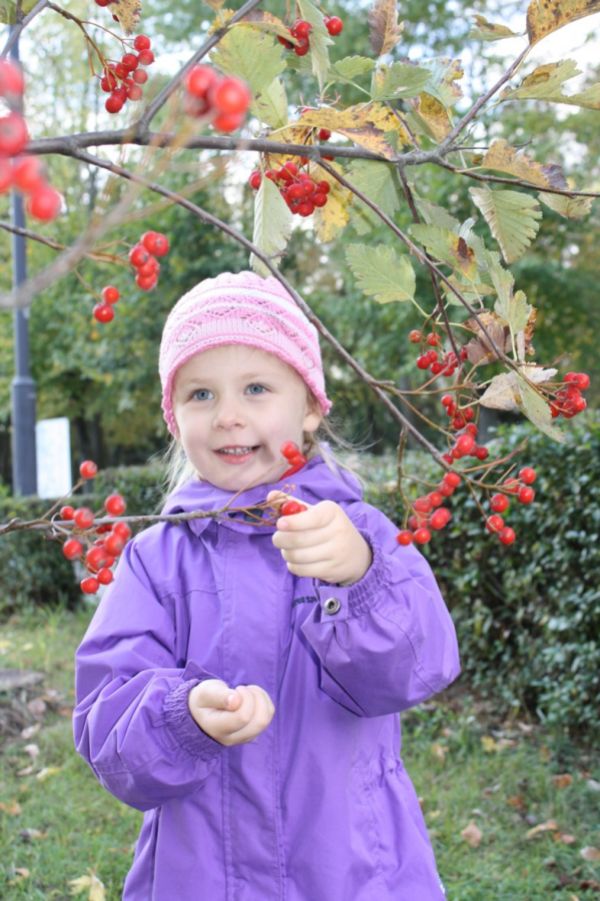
(179, 470)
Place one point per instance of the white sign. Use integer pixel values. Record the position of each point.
(53, 452)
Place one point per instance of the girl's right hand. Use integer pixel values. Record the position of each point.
(240, 720)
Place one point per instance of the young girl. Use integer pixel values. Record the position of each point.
(241, 679)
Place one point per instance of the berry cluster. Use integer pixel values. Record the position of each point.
(500, 503)
(299, 190)
(430, 359)
(465, 444)
(223, 100)
(428, 512)
(294, 456)
(23, 173)
(143, 258)
(569, 401)
(301, 30)
(123, 81)
(100, 554)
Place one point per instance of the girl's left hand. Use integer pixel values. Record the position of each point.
(321, 543)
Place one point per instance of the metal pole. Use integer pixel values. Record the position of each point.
(23, 386)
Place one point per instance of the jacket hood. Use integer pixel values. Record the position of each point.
(313, 483)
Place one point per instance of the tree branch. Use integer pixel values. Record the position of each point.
(16, 32)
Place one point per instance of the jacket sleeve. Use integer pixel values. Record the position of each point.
(386, 642)
(131, 722)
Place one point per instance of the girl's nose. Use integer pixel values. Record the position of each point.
(228, 415)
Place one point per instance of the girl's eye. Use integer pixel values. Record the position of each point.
(261, 388)
(200, 394)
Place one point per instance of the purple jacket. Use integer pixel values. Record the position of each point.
(319, 806)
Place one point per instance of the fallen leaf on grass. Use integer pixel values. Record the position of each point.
(13, 808)
(548, 826)
(517, 801)
(565, 838)
(439, 751)
(562, 780)
(590, 854)
(472, 834)
(30, 731)
(28, 835)
(47, 772)
(21, 873)
(91, 884)
(490, 744)
(32, 750)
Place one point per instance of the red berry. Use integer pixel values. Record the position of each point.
(88, 469)
(526, 494)
(507, 535)
(452, 478)
(415, 336)
(512, 486)
(494, 523)
(481, 453)
(199, 80)
(464, 444)
(122, 531)
(499, 503)
(103, 312)
(324, 134)
(146, 282)
(289, 508)
(433, 340)
(527, 475)
(422, 535)
(140, 76)
(422, 505)
(27, 173)
(130, 61)
(44, 203)
(436, 498)
(134, 92)
(255, 180)
(289, 449)
(72, 549)
(302, 47)
(152, 267)
(83, 518)
(423, 361)
(334, 25)
(155, 243)
(104, 575)
(306, 208)
(405, 537)
(115, 505)
(323, 187)
(89, 585)
(110, 294)
(13, 134)
(142, 42)
(228, 121)
(67, 512)
(146, 57)
(6, 174)
(319, 200)
(230, 96)
(12, 83)
(114, 544)
(138, 255)
(96, 558)
(301, 29)
(114, 103)
(440, 518)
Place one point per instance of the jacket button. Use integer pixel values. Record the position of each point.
(332, 605)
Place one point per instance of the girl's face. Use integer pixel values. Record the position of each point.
(245, 401)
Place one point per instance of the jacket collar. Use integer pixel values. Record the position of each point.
(313, 483)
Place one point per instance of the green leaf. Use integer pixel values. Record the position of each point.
(270, 105)
(400, 80)
(448, 247)
(515, 310)
(437, 215)
(254, 56)
(272, 224)
(376, 181)
(381, 273)
(537, 410)
(352, 67)
(319, 40)
(513, 218)
(569, 207)
(546, 83)
(490, 31)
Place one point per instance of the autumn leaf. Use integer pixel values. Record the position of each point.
(366, 124)
(591, 854)
(548, 826)
(472, 834)
(90, 884)
(546, 16)
(334, 216)
(569, 207)
(489, 31)
(562, 780)
(545, 83)
(501, 157)
(385, 30)
(128, 13)
(513, 218)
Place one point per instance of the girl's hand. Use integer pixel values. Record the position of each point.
(235, 722)
(321, 543)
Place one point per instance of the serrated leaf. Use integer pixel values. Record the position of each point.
(366, 124)
(272, 225)
(265, 21)
(437, 215)
(546, 16)
(448, 247)
(381, 272)
(398, 81)
(334, 216)
(254, 56)
(537, 409)
(445, 73)
(319, 40)
(513, 218)
(489, 31)
(270, 105)
(514, 310)
(384, 29)
(376, 181)
(569, 207)
(352, 67)
(546, 82)
(501, 157)
(432, 116)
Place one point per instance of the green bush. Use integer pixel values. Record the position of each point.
(528, 616)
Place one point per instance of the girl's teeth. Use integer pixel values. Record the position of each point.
(238, 451)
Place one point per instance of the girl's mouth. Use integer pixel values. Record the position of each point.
(237, 454)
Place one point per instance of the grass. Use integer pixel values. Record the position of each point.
(57, 823)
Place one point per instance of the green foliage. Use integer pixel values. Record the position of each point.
(528, 617)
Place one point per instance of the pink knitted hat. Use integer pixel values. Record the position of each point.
(240, 308)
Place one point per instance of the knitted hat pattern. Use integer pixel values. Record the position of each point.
(240, 308)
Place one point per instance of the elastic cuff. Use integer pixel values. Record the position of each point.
(361, 594)
(186, 731)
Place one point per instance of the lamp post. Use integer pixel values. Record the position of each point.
(23, 386)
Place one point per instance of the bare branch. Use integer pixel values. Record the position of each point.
(16, 31)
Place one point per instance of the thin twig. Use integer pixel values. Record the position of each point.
(16, 31)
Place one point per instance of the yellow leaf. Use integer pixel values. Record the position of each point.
(439, 751)
(334, 216)
(366, 124)
(47, 772)
(548, 826)
(472, 834)
(385, 30)
(503, 158)
(488, 744)
(546, 16)
(434, 115)
(128, 13)
(91, 884)
(490, 31)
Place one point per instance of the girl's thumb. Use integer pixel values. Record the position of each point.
(231, 700)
